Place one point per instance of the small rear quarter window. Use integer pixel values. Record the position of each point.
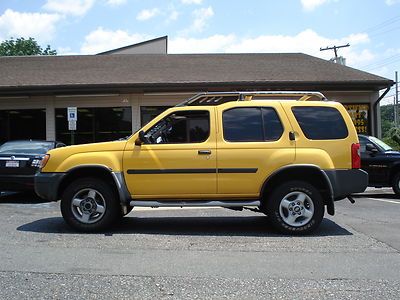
(320, 123)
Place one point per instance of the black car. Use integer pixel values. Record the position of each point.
(19, 161)
(381, 162)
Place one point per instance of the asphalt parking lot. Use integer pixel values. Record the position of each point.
(201, 253)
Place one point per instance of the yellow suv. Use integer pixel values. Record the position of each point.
(285, 154)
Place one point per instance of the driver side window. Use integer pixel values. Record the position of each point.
(363, 144)
(180, 128)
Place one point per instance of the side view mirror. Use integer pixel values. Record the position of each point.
(371, 148)
(141, 139)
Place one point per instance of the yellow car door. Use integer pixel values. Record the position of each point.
(253, 143)
(177, 159)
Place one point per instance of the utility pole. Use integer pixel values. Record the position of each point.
(395, 111)
(334, 48)
(396, 119)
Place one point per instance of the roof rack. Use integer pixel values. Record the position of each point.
(217, 98)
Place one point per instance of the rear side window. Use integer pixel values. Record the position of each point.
(320, 123)
(251, 124)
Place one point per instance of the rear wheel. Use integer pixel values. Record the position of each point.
(89, 205)
(295, 207)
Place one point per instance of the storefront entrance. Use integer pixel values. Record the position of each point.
(22, 124)
(98, 124)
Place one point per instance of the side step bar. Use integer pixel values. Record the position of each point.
(194, 203)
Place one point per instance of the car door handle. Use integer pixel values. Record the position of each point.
(204, 152)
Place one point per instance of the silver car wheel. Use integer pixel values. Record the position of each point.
(296, 209)
(88, 206)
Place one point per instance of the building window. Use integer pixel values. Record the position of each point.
(98, 124)
(148, 113)
(22, 124)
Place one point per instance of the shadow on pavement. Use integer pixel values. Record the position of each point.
(203, 226)
(21, 198)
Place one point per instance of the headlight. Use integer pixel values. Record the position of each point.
(36, 163)
(44, 161)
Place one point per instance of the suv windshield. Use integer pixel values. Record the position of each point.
(380, 143)
(25, 147)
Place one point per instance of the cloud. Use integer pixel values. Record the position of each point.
(307, 41)
(147, 14)
(173, 16)
(40, 26)
(200, 18)
(192, 1)
(101, 40)
(69, 7)
(392, 2)
(116, 2)
(310, 5)
(212, 44)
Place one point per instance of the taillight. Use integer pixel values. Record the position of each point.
(44, 161)
(355, 156)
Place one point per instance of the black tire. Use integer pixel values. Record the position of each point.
(306, 214)
(128, 210)
(396, 184)
(102, 205)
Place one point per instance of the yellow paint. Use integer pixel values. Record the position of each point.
(266, 157)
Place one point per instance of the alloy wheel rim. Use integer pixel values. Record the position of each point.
(296, 209)
(88, 206)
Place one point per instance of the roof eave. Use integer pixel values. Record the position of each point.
(194, 86)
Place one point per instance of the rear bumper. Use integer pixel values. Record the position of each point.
(16, 182)
(347, 182)
(47, 184)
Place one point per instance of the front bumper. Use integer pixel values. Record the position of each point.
(47, 184)
(16, 182)
(347, 182)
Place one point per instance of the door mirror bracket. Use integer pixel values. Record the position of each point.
(142, 139)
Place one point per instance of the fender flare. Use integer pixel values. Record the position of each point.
(118, 178)
(330, 205)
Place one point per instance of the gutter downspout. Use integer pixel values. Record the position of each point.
(375, 105)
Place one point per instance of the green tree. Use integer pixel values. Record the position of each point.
(387, 119)
(21, 46)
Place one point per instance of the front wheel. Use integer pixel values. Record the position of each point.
(295, 207)
(89, 205)
(396, 184)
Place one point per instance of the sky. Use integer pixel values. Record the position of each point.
(77, 27)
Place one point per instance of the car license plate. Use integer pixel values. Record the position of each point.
(12, 164)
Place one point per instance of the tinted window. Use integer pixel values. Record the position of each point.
(148, 113)
(98, 124)
(22, 124)
(363, 144)
(28, 147)
(320, 123)
(272, 125)
(251, 124)
(181, 127)
(243, 124)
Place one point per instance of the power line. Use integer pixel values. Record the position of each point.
(384, 32)
(382, 24)
(382, 64)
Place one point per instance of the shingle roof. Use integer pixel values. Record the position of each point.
(179, 71)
